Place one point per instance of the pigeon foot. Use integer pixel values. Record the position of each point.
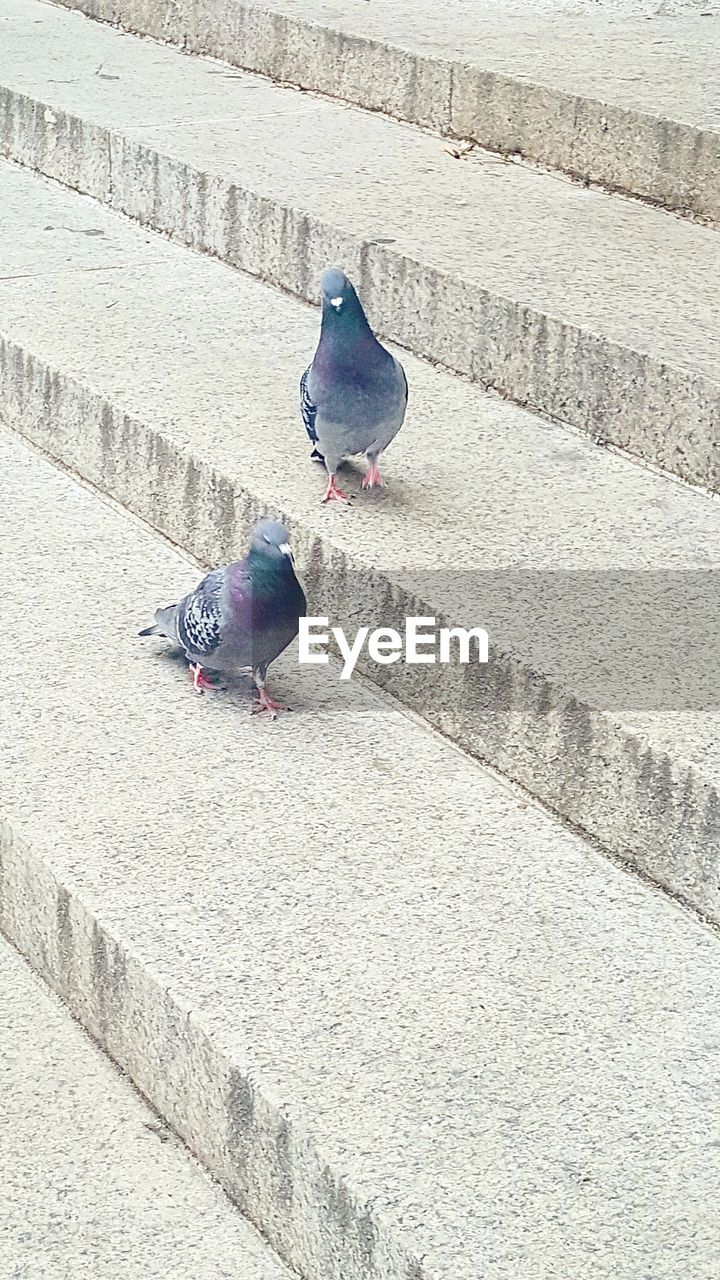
(333, 493)
(201, 682)
(265, 703)
(372, 478)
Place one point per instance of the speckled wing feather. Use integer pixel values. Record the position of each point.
(309, 413)
(199, 617)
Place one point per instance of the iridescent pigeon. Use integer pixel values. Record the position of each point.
(354, 395)
(241, 616)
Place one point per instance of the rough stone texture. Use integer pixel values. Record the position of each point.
(624, 97)
(559, 297)
(416, 1027)
(159, 375)
(94, 1185)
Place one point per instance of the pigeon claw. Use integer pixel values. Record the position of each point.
(333, 493)
(201, 682)
(265, 703)
(372, 478)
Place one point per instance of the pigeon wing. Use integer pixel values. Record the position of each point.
(199, 617)
(309, 414)
(405, 381)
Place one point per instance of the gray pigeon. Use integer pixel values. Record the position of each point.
(354, 395)
(241, 616)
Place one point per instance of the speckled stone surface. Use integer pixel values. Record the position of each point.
(416, 1027)
(558, 296)
(622, 93)
(170, 382)
(93, 1185)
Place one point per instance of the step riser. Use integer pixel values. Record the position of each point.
(665, 415)
(662, 160)
(660, 816)
(254, 1147)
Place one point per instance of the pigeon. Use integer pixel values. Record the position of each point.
(354, 394)
(241, 616)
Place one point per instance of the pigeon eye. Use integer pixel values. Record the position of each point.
(266, 540)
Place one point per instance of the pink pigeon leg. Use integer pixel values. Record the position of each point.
(372, 478)
(200, 680)
(333, 493)
(264, 702)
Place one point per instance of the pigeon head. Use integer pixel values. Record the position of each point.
(336, 289)
(342, 311)
(272, 540)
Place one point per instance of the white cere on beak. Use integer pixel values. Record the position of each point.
(336, 303)
(286, 549)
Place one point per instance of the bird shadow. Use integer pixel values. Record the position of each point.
(239, 687)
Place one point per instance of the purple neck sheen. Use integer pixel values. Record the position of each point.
(346, 337)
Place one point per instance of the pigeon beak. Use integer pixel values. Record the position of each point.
(287, 551)
(336, 303)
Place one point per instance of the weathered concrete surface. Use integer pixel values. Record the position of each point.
(624, 95)
(416, 1027)
(558, 296)
(93, 1184)
(161, 377)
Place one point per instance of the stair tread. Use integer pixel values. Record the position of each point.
(522, 542)
(622, 94)
(598, 262)
(505, 1045)
(560, 297)
(80, 1148)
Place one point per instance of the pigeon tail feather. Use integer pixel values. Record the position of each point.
(164, 624)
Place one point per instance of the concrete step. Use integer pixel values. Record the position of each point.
(623, 95)
(170, 382)
(559, 297)
(415, 1026)
(94, 1185)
